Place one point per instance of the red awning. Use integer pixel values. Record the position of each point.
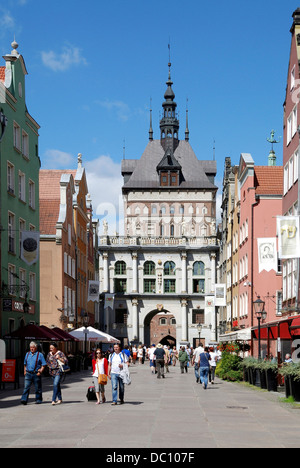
(274, 331)
(64, 335)
(33, 332)
(295, 327)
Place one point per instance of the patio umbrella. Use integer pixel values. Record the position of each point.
(33, 332)
(64, 335)
(91, 334)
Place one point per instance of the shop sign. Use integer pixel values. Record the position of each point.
(9, 371)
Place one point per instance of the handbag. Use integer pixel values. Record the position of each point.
(63, 367)
(102, 378)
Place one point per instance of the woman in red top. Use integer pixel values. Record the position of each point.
(100, 366)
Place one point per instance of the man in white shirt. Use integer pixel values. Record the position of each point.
(152, 358)
(196, 356)
(117, 360)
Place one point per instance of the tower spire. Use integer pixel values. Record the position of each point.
(169, 123)
(187, 132)
(150, 129)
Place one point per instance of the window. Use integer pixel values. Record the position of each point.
(154, 210)
(172, 230)
(296, 166)
(22, 276)
(163, 321)
(11, 279)
(11, 233)
(121, 316)
(169, 268)
(32, 286)
(293, 78)
(289, 130)
(22, 227)
(120, 268)
(198, 316)
(120, 286)
(286, 179)
(22, 194)
(170, 286)
(25, 144)
(199, 286)
(149, 268)
(199, 269)
(149, 285)
(32, 194)
(17, 136)
(10, 178)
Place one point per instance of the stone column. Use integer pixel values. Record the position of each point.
(134, 272)
(183, 273)
(135, 320)
(105, 273)
(184, 320)
(213, 272)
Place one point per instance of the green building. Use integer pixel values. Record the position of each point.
(19, 200)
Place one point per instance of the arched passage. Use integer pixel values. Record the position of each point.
(160, 327)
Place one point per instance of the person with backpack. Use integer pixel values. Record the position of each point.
(183, 359)
(117, 361)
(203, 363)
(34, 365)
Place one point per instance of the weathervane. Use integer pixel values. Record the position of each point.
(272, 140)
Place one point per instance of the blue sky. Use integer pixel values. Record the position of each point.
(94, 65)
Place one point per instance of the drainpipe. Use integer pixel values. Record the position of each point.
(253, 205)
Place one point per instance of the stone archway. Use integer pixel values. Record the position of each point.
(160, 327)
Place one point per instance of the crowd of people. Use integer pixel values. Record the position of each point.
(114, 364)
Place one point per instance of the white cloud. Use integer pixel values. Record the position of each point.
(120, 108)
(59, 62)
(105, 182)
(56, 159)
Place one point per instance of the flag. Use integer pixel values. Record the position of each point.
(288, 233)
(94, 291)
(267, 254)
(30, 243)
(109, 301)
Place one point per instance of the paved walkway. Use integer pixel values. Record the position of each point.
(173, 412)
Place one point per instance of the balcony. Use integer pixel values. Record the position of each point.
(120, 241)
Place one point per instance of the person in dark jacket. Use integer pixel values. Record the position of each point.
(160, 360)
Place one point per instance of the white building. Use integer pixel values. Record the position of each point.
(167, 259)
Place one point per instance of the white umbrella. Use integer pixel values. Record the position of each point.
(91, 334)
(111, 339)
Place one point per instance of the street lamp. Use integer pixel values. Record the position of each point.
(199, 328)
(261, 314)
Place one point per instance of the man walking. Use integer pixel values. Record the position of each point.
(117, 360)
(196, 356)
(183, 359)
(34, 365)
(160, 360)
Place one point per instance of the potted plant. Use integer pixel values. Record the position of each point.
(271, 371)
(249, 364)
(291, 374)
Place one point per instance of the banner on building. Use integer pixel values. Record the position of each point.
(30, 243)
(109, 301)
(288, 233)
(267, 254)
(94, 291)
(220, 295)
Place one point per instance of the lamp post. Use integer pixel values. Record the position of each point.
(199, 328)
(260, 314)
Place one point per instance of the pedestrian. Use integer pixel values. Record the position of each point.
(126, 351)
(140, 354)
(288, 359)
(134, 354)
(152, 358)
(183, 359)
(53, 359)
(117, 361)
(174, 356)
(199, 350)
(203, 363)
(34, 365)
(167, 358)
(213, 364)
(100, 368)
(160, 360)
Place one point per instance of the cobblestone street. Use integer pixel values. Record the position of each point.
(173, 412)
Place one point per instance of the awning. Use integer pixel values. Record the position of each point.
(295, 327)
(33, 332)
(283, 329)
(239, 335)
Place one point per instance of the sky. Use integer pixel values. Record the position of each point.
(94, 66)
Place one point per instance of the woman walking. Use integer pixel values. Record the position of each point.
(183, 359)
(100, 367)
(54, 359)
(203, 363)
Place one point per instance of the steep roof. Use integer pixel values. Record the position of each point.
(269, 180)
(144, 172)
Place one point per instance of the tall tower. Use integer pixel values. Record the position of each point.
(169, 124)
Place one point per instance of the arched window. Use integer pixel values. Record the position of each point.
(120, 268)
(163, 321)
(163, 210)
(149, 268)
(154, 209)
(169, 268)
(199, 269)
(172, 230)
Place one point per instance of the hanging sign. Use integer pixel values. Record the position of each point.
(30, 242)
(288, 233)
(267, 254)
